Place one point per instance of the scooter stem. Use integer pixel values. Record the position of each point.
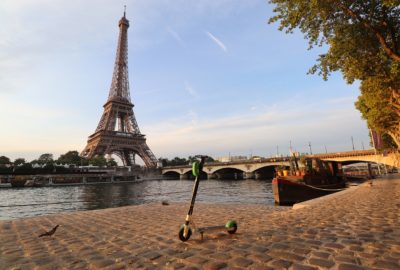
(195, 188)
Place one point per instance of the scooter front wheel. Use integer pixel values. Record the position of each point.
(182, 234)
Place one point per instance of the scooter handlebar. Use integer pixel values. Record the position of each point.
(202, 160)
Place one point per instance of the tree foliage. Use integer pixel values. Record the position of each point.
(71, 157)
(177, 161)
(111, 162)
(363, 38)
(25, 168)
(45, 159)
(19, 161)
(98, 161)
(4, 160)
(374, 104)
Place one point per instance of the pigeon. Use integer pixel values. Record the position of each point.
(50, 233)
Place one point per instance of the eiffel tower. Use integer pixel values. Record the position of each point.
(118, 132)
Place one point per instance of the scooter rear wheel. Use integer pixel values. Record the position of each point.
(231, 226)
(181, 234)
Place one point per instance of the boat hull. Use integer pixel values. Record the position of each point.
(288, 192)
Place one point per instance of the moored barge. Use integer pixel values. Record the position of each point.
(318, 178)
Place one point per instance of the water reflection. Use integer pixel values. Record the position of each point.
(28, 202)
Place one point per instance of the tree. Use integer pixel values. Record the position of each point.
(163, 161)
(373, 104)
(111, 162)
(26, 168)
(98, 161)
(177, 161)
(4, 160)
(45, 159)
(72, 157)
(19, 161)
(34, 162)
(363, 37)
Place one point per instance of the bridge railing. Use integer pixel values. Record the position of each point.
(345, 154)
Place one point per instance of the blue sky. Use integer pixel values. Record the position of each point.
(206, 76)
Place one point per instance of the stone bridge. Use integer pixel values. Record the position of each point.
(247, 169)
(387, 158)
(265, 167)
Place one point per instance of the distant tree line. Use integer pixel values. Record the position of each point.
(177, 161)
(46, 164)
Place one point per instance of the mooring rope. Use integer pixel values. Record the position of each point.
(325, 189)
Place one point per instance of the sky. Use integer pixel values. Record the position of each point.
(206, 77)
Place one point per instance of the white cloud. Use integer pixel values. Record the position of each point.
(176, 36)
(217, 41)
(191, 90)
(261, 132)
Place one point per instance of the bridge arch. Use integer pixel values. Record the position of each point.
(227, 173)
(265, 172)
(171, 175)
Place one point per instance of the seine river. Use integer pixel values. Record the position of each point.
(28, 202)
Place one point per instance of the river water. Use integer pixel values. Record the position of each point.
(28, 202)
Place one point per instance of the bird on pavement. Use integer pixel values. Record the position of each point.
(50, 233)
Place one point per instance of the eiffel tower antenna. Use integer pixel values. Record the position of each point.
(117, 131)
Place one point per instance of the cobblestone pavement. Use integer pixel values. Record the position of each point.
(355, 230)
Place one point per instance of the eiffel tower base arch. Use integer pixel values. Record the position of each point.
(124, 145)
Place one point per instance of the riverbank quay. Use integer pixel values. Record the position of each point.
(359, 229)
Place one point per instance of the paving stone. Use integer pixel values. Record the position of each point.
(280, 264)
(279, 246)
(241, 262)
(314, 242)
(258, 249)
(101, 263)
(115, 267)
(196, 260)
(261, 267)
(387, 265)
(297, 266)
(321, 262)
(221, 256)
(301, 251)
(334, 245)
(347, 266)
(259, 258)
(191, 267)
(356, 248)
(320, 254)
(152, 255)
(290, 256)
(345, 259)
(215, 266)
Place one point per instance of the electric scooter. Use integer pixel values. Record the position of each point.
(186, 229)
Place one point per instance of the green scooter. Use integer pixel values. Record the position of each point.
(186, 229)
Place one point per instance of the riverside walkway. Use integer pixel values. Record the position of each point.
(358, 229)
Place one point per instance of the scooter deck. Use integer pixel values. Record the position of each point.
(211, 228)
